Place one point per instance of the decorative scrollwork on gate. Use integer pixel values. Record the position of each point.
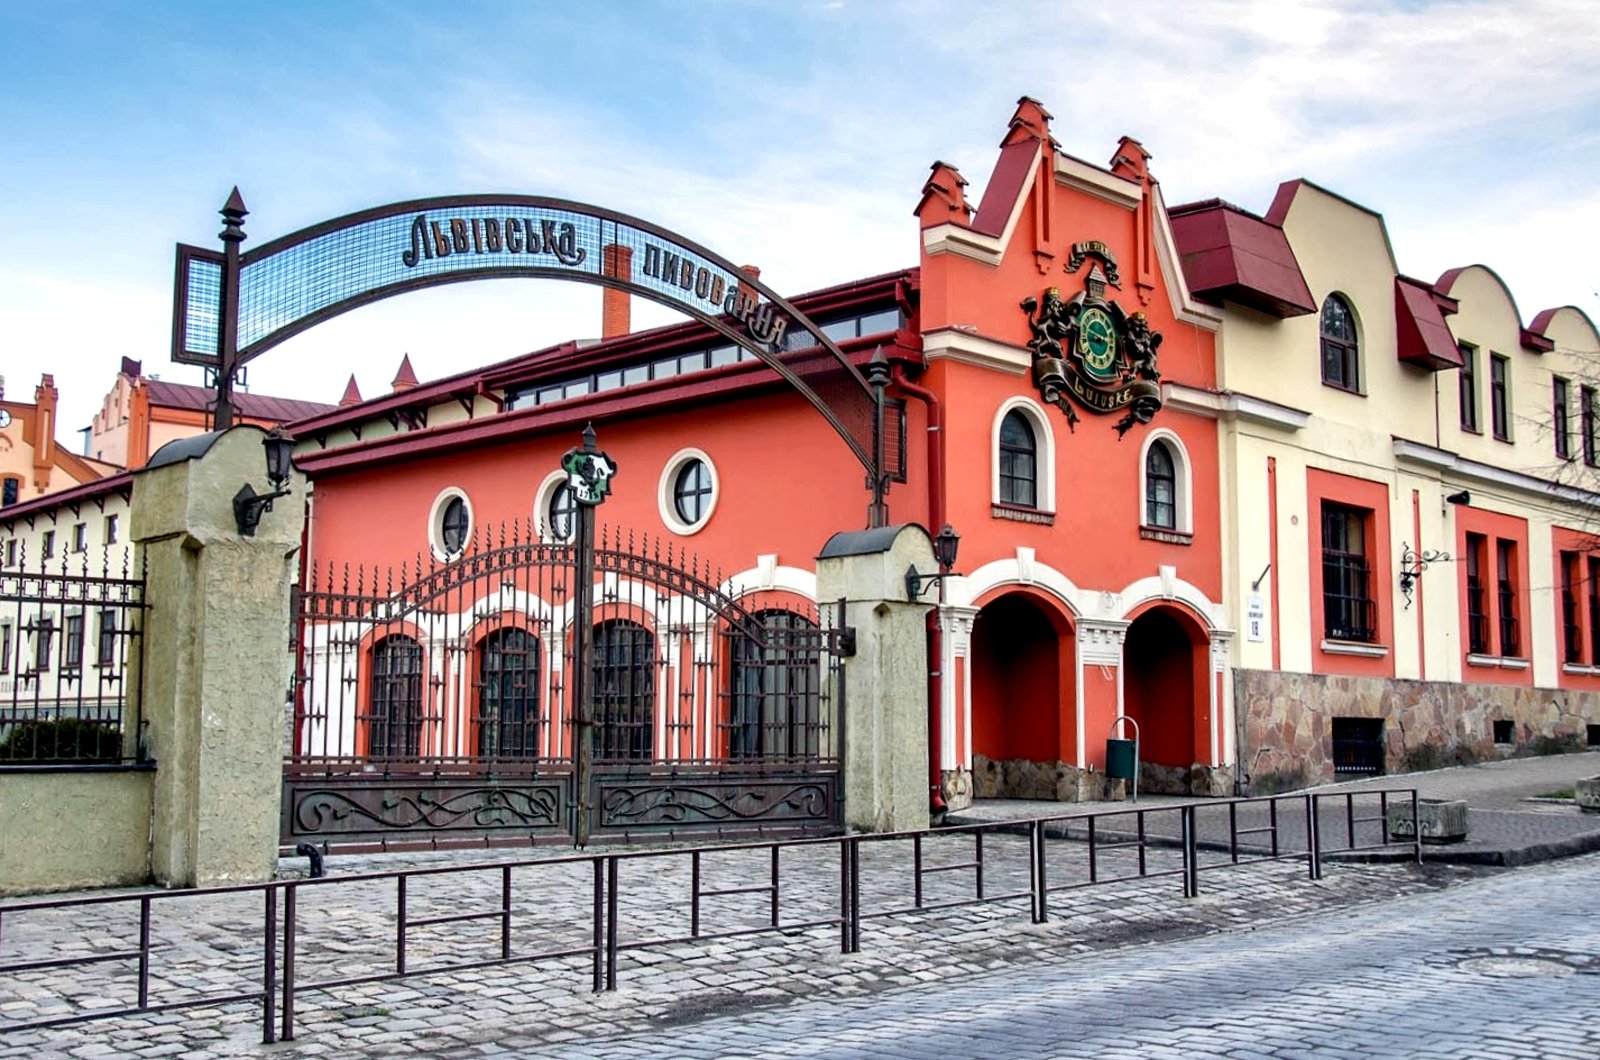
(323, 811)
(658, 802)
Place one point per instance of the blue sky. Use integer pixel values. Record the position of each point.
(794, 135)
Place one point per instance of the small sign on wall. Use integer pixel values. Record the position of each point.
(1255, 618)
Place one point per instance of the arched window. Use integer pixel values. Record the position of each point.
(394, 701)
(774, 708)
(1019, 461)
(1341, 365)
(1160, 488)
(508, 694)
(623, 679)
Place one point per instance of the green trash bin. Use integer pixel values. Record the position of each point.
(1120, 757)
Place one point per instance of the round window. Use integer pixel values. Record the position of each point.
(454, 525)
(691, 491)
(561, 511)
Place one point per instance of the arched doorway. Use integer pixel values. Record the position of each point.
(1165, 691)
(1024, 697)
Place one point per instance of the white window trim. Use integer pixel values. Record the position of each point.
(436, 521)
(664, 492)
(1182, 481)
(541, 507)
(1044, 458)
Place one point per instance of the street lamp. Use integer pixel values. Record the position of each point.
(248, 505)
(945, 544)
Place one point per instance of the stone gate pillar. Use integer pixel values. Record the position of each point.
(216, 656)
(886, 682)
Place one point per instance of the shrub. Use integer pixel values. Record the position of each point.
(62, 740)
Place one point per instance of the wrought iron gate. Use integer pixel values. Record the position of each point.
(436, 703)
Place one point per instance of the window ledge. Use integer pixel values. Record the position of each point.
(1580, 669)
(1020, 514)
(1503, 661)
(1341, 388)
(1171, 537)
(1355, 647)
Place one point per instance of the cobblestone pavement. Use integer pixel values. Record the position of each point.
(1504, 967)
(1506, 825)
(212, 945)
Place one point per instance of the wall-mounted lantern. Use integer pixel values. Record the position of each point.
(248, 505)
(1412, 564)
(945, 545)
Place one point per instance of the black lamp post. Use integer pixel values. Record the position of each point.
(945, 545)
(248, 505)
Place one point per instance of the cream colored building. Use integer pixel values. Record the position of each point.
(1411, 497)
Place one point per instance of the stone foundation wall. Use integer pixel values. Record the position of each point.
(1286, 723)
(1019, 778)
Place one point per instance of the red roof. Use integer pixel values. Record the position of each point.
(1423, 337)
(1229, 254)
(255, 406)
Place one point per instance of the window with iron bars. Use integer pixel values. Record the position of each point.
(774, 708)
(1347, 606)
(394, 706)
(1505, 564)
(1477, 599)
(623, 679)
(508, 718)
(1570, 625)
(1594, 610)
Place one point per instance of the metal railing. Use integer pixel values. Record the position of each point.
(1143, 841)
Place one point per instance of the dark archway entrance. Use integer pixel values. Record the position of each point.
(1165, 692)
(1024, 697)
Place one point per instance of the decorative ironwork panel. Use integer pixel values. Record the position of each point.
(724, 799)
(404, 809)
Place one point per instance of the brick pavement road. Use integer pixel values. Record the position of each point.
(1501, 967)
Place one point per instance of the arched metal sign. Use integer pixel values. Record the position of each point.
(232, 306)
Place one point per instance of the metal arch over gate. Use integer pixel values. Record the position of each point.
(231, 306)
(435, 704)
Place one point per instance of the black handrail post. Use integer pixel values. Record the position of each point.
(977, 845)
(775, 885)
(144, 952)
(269, 970)
(916, 870)
(1416, 826)
(599, 924)
(1093, 863)
(855, 894)
(1036, 877)
(1272, 815)
(611, 922)
(400, 924)
(1383, 812)
(505, 913)
(844, 894)
(1313, 838)
(290, 901)
(694, 894)
(1233, 831)
(1350, 819)
(1191, 869)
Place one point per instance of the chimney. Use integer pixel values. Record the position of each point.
(746, 292)
(616, 307)
(44, 431)
(405, 378)
(352, 393)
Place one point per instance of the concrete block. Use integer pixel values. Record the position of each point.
(1439, 820)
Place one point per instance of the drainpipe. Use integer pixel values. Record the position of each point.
(936, 519)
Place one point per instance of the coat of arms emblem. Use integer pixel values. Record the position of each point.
(1088, 348)
(589, 471)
